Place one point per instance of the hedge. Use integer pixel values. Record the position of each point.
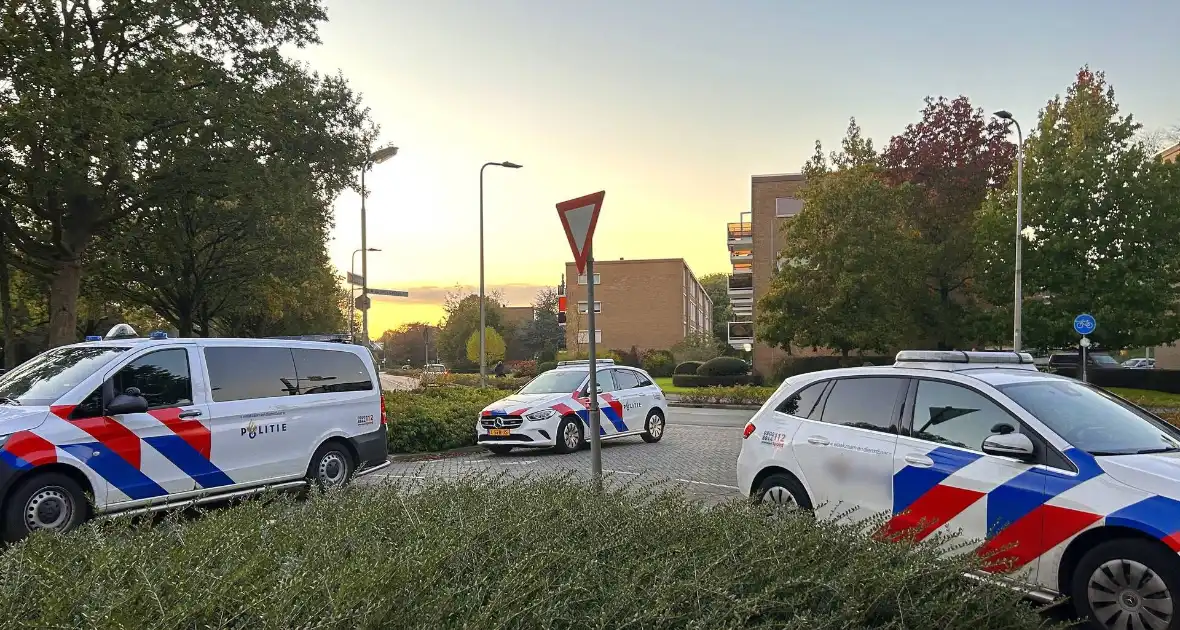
(741, 395)
(688, 367)
(659, 363)
(392, 556)
(435, 418)
(472, 380)
(696, 380)
(791, 366)
(1155, 380)
(724, 366)
(546, 366)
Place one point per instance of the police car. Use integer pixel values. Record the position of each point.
(553, 410)
(1070, 490)
(131, 424)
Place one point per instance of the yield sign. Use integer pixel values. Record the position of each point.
(579, 216)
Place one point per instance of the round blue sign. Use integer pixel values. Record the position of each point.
(1084, 324)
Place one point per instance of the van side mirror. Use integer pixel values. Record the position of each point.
(130, 401)
(1017, 445)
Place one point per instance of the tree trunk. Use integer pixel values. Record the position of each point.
(63, 303)
(184, 325)
(9, 358)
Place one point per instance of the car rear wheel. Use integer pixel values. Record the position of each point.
(45, 502)
(331, 466)
(1128, 583)
(783, 491)
(569, 435)
(654, 427)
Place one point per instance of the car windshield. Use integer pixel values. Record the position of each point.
(46, 377)
(556, 382)
(1104, 359)
(1092, 420)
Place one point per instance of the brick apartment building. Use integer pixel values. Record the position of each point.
(754, 244)
(648, 304)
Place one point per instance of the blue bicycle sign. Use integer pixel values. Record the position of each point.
(1084, 324)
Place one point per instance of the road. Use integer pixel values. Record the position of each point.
(698, 453)
(392, 383)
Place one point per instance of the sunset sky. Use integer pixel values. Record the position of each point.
(669, 106)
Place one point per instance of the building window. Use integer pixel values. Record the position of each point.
(582, 307)
(584, 336)
(785, 207)
(597, 278)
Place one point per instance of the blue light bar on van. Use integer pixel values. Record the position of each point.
(158, 334)
(93, 337)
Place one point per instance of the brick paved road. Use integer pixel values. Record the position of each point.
(698, 453)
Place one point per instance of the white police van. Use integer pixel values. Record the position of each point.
(1068, 489)
(129, 424)
(553, 410)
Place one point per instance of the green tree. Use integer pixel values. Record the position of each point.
(1102, 232)
(460, 321)
(408, 343)
(846, 271)
(103, 103)
(493, 346)
(543, 336)
(717, 287)
(697, 347)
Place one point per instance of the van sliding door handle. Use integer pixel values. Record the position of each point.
(818, 440)
(189, 414)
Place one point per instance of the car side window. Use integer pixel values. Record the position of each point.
(954, 415)
(625, 379)
(162, 377)
(864, 402)
(245, 373)
(802, 403)
(643, 380)
(330, 372)
(606, 383)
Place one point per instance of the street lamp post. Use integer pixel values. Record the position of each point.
(483, 342)
(351, 301)
(376, 157)
(1019, 298)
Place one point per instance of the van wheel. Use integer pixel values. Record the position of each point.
(569, 435)
(331, 466)
(654, 428)
(1128, 583)
(783, 491)
(45, 502)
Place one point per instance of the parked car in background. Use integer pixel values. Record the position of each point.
(432, 371)
(1139, 364)
(1059, 360)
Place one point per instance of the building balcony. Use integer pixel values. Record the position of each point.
(740, 256)
(741, 334)
(743, 312)
(741, 286)
(743, 269)
(739, 234)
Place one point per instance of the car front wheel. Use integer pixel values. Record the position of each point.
(45, 502)
(569, 435)
(1128, 583)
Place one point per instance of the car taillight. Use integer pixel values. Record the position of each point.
(384, 421)
(750, 428)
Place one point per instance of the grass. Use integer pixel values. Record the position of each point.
(665, 383)
(1147, 397)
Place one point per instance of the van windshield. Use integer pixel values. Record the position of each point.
(45, 378)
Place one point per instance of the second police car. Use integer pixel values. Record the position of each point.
(552, 411)
(1068, 489)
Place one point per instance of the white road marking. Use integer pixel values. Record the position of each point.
(705, 483)
(621, 472)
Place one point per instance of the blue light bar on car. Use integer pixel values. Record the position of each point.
(158, 334)
(959, 356)
(93, 337)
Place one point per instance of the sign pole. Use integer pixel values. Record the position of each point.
(1085, 345)
(595, 419)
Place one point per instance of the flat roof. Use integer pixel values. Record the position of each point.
(779, 177)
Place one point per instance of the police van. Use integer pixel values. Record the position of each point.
(128, 424)
(1065, 488)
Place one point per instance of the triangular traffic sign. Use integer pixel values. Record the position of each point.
(578, 217)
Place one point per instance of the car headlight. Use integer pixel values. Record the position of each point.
(543, 414)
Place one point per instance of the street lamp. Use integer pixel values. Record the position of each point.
(1006, 115)
(483, 342)
(351, 301)
(376, 157)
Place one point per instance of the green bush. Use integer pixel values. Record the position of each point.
(696, 380)
(546, 366)
(739, 395)
(434, 557)
(688, 367)
(435, 418)
(400, 372)
(791, 366)
(584, 355)
(659, 363)
(506, 383)
(724, 366)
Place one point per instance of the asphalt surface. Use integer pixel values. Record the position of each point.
(698, 454)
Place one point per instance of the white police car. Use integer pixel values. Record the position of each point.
(128, 424)
(1071, 490)
(553, 410)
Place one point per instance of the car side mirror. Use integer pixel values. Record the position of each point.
(130, 401)
(1017, 445)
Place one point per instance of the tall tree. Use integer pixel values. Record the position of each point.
(1102, 233)
(953, 158)
(494, 347)
(543, 336)
(847, 272)
(717, 286)
(461, 319)
(408, 343)
(97, 98)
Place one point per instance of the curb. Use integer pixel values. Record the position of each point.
(419, 457)
(713, 406)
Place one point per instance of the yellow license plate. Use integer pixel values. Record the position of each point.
(499, 432)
